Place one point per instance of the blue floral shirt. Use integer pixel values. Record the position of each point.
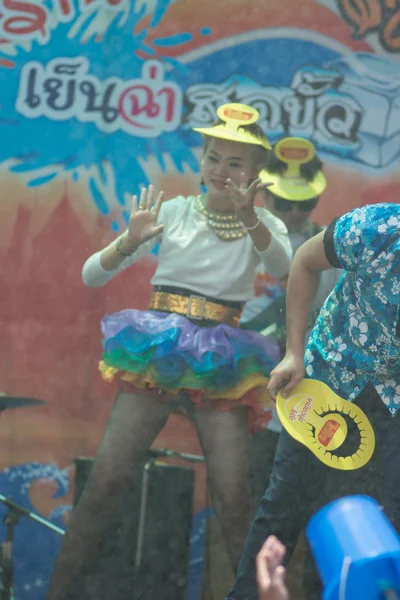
(356, 339)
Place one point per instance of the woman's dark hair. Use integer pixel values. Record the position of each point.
(308, 170)
(256, 130)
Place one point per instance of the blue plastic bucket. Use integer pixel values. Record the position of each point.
(356, 549)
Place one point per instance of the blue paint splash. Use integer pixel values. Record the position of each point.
(44, 148)
(98, 197)
(114, 163)
(38, 181)
(34, 561)
(173, 40)
(160, 11)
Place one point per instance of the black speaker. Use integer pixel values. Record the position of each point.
(145, 554)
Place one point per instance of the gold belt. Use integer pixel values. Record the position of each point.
(195, 307)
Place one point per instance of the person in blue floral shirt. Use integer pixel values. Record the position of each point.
(355, 349)
(356, 339)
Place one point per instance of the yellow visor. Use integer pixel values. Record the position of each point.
(291, 185)
(234, 117)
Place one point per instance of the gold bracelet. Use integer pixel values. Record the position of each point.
(122, 252)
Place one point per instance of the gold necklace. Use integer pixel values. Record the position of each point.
(225, 226)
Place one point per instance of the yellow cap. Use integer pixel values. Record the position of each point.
(291, 185)
(317, 417)
(234, 117)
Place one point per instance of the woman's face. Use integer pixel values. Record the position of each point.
(225, 160)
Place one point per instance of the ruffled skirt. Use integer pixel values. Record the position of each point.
(217, 366)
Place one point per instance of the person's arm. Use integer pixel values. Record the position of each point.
(277, 257)
(96, 274)
(141, 235)
(269, 235)
(259, 233)
(310, 259)
(116, 253)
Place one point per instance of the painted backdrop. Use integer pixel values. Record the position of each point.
(99, 97)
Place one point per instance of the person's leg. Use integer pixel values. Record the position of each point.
(224, 439)
(135, 422)
(262, 453)
(282, 512)
(390, 487)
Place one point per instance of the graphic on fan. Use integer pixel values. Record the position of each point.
(320, 419)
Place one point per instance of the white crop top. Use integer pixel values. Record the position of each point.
(193, 257)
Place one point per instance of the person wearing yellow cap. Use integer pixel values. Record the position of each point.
(296, 173)
(186, 351)
(297, 185)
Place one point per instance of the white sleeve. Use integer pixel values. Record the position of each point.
(277, 258)
(93, 274)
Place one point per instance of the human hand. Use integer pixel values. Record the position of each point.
(142, 224)
(243, 198)
(286, 375)
(270, 573)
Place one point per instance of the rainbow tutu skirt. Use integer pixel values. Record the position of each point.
(217, 366)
